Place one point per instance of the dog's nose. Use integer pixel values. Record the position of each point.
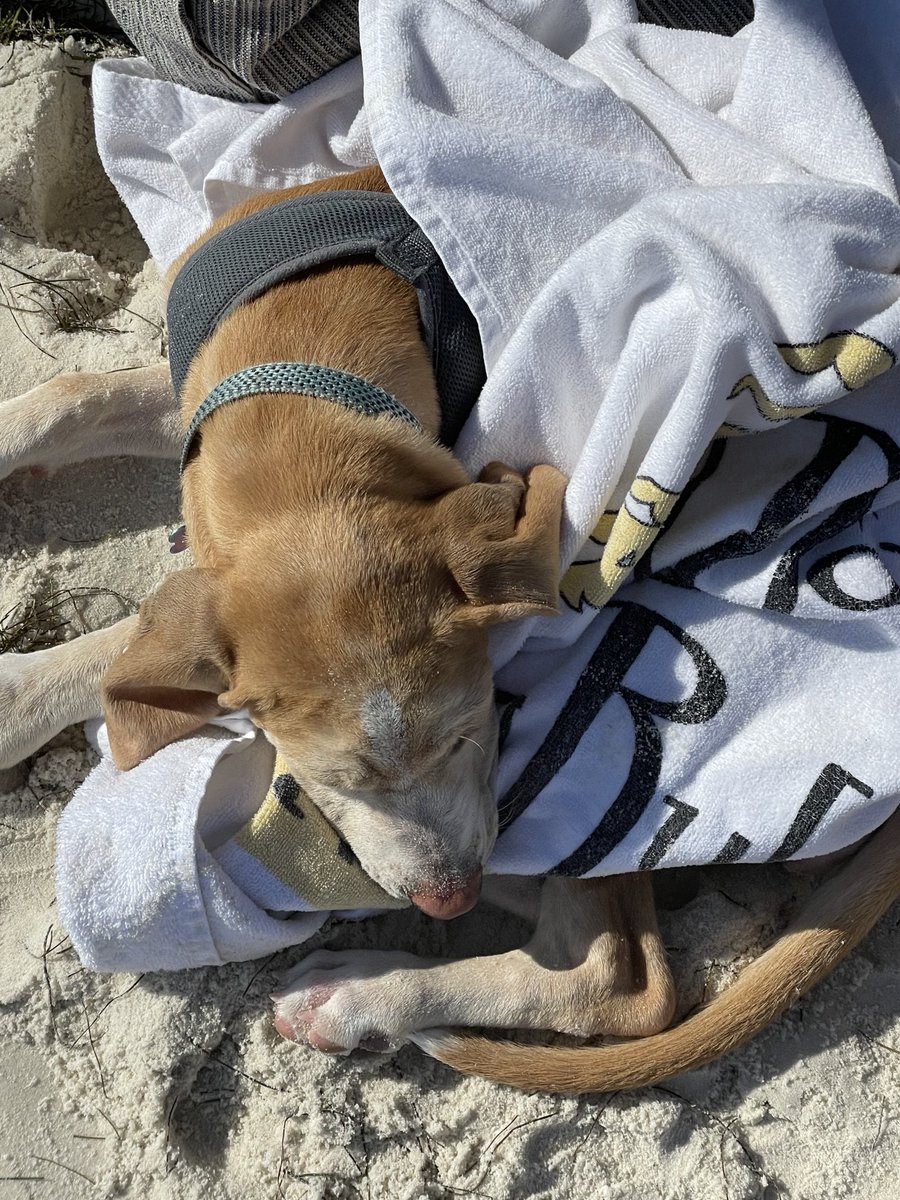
(446, 905)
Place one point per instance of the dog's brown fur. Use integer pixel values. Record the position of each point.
(347, 572)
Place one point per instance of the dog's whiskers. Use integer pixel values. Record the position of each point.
(474, 743)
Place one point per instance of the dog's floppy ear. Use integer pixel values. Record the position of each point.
(502, 539)
(165, 683)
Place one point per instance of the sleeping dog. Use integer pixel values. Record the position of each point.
(361, 651)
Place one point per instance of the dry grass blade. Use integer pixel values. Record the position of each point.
(90, 1034)
(111, 1000)
(48, 945)
(35, 624)
(13, 312)
(728, 1131)
(65, 1167)
(65, 304)
(234, 1070)
(90, 24)
(30, 625)
(114, 1128)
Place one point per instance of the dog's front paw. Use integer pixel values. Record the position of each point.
(338, 1001)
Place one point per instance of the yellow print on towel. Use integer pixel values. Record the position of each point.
(293, 841)
(856, 359)
(625, 536)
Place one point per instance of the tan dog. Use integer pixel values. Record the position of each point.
(360, 647)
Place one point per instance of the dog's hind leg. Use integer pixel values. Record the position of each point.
(76, 416)
(46, 690)
(595, 964)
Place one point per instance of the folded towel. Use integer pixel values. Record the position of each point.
(682, 251)
(199, 856)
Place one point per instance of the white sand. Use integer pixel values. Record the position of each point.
(186, 1091)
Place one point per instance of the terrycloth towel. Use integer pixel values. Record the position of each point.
(683, 252)
(214, 856)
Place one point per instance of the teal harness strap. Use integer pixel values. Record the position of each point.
(301, 379)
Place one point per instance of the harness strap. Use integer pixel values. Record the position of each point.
(301, 379)
(283, 240)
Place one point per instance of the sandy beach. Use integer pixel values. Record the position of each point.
(176, 1085)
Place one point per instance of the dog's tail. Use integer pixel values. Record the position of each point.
(836, 919)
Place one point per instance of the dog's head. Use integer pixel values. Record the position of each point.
(359, 645)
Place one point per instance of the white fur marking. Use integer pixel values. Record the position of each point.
(383, 724)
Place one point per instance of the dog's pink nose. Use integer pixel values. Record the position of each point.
(447, 905)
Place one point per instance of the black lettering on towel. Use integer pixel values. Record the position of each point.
(668, 833)
(821, 579)
(601, 679)
(822, 795)
(734, 849)
(790, 503)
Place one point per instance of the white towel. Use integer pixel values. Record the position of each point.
(683, 253)
(139, 882)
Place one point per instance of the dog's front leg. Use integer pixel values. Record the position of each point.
(44, 691)
(76, 416)
(596, 964)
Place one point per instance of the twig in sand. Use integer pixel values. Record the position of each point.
(112, 1000)
(169, 1115)
(324, 1175)
(74, 602)
(53, 945)
(48, 940)
(280, 1173)
(352, 1159)
(234, 1070)
(80, 1174)
(29, 626)
(13, 310)
(521, 1125)
(365, 1145)
(114, 1128)
(427, 1147)
(7, 228)
(256, 974)
(595, 1119)
(156, 326)
(727, 1131)
(98, 37)
(877, 1137)
(39, 800)
(875, 1042)
(90, 1035)
(491, 1148)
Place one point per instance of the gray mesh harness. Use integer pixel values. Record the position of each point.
(283, 240)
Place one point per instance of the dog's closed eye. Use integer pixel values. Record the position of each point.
(361, 775)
